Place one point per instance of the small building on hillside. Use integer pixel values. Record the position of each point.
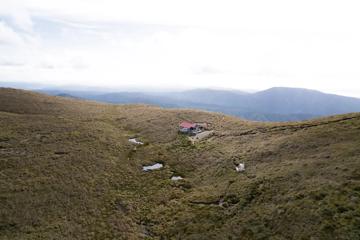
(192, 128)
(187, 127)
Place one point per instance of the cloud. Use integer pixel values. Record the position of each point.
(206, 70)
(8, 35)
(47, 66)
(17, 14)
(234, 44)
(23, 21)
(307, 15)
(6, 63)
(61, 63)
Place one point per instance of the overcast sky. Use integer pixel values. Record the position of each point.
(254, 44)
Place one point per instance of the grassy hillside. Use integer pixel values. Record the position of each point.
(67, 171)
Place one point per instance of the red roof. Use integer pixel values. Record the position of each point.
(187, 125)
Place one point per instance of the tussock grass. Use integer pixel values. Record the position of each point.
(67, 171)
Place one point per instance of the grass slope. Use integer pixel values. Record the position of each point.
(67, 171)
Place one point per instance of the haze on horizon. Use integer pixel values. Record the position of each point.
(182, 44)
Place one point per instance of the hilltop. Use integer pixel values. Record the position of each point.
(68, 171)
(274, 104)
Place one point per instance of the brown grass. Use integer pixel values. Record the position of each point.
(67, 171)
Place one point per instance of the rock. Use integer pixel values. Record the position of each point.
(240, 167)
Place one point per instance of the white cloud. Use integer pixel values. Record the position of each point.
(8, 35)
(233, 44)
(18, 13)
(308, 15)
(23, 21)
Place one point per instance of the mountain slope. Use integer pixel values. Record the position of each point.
(275, 104)
(303, 101)
(69, 172)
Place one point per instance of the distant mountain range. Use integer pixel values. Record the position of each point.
(275, 104)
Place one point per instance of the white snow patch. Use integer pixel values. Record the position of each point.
(176, 178)
(133, 140)
(240, 168)
(152, 167)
